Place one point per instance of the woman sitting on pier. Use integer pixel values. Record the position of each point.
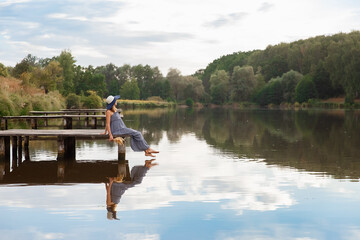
(116, 126)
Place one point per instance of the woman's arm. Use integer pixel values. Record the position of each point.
(107, 127)
(108, 194)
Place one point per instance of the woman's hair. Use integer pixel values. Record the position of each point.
(113, 108)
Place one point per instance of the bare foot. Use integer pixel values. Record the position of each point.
(149, 154)
(149, 164)
(152, 151)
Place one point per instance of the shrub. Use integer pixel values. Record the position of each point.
(92, 101)
(6, 105)
(189, 102)
(305, 90)
(155, 98)
(73, 101)
(349, 98)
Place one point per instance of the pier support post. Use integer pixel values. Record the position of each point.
(68, 123)
(2, 123)
(26, 148)
(121, 151)
(70, 144)
(61, 148)
(34, 123)
(4, 156)
(123, 170)
(66, 148)
(46, 120)
(87, 119)
(14, 151)
(61, 171)
(94, 122)
(5, 123)
(19, 150)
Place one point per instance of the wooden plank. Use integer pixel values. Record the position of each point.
(77, 133)
(52, 116)
(71, 111)
(95, 133)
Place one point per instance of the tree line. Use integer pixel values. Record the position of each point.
(60, 73)
(321, 67)
(316, 68)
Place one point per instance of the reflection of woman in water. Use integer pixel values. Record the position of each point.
(116, 126)
(116, 187)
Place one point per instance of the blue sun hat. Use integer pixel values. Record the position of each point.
(111, 101)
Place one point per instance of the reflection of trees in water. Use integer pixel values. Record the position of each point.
(329, 144)
(318, 141)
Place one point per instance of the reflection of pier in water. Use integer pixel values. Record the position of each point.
(61, 171)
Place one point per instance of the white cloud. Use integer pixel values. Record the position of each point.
(87, 52)
(67, 17)
(234, 185)
(6, 3)
(184, 34)
(265, 6)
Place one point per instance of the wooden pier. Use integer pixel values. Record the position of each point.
(72, 111)
(59, 172)
(68, 119)
(15, 142)
(66, 140)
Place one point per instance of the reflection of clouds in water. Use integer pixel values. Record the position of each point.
(197, 173)
(30, 233)
(85, 233)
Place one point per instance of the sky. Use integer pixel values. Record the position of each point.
(182, 34)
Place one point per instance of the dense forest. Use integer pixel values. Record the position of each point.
(316, 68)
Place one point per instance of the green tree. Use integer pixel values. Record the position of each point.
(162, 89)
(112, 78)
(275, 91)
(219, 87)
(275, 61)
(113, 87)
(324, 86)
(130, 90)
(176, 82)
(20, 68)
(243, 83)
(3, 70)
(67, 63)
(194, 88)
(305, 90)
(289, 82)
(97, 83)
(54, 72)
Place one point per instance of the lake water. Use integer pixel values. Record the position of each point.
(221, 174)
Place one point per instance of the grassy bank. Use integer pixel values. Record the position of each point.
(332, 103)
(19, 99)
(144, 104)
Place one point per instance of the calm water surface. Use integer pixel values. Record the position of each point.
(221, 174)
